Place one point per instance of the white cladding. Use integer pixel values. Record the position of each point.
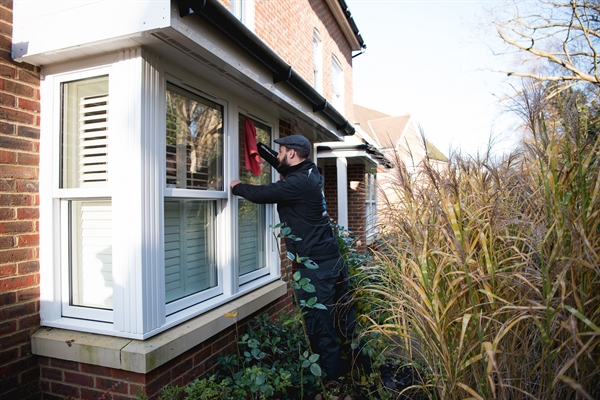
(45, 28)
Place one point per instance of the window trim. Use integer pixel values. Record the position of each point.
(136, 76)
(317, 61)
(244, 11)
(337, 85)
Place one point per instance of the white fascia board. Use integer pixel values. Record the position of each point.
(211, 48)
(48, 33)
(42, 29)
(344, 153)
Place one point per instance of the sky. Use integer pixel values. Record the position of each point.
(433, 59)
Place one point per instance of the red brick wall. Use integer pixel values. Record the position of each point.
(357, 206)
(19, 265)
(356, 200)
(287, 27)
(330, 189)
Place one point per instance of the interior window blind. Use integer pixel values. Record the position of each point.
(189, 253)
(92, 281)
(93, 141)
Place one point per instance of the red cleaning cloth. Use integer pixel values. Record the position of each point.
(252, 157)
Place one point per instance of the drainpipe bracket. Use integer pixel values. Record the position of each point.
(187, 7)
(282, 77)
(320, 107)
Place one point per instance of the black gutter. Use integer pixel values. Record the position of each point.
(222, 19)
(353, 26)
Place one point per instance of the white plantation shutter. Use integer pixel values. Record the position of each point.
(251, 236)
(189, 253)
(93, 141)
(92, 254)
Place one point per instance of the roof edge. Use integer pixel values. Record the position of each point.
(342, 14)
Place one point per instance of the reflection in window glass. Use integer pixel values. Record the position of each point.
(251, 217)
(90, 271)
(190, 265)
(194, 153)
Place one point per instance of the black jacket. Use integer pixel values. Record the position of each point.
(301, 206)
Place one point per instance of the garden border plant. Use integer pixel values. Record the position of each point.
(273, 358)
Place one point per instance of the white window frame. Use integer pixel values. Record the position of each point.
(337, 84)
(317, 61)
(371, 204)
(217, 196)
(137, 120)
(244, 11)
(270, 246)
(62, 197)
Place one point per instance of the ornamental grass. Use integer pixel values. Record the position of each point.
(486, 279)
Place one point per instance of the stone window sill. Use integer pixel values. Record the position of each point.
(142, 356)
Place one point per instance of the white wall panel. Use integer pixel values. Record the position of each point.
(52, 26)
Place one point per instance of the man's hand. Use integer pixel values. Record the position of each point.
(234, 182)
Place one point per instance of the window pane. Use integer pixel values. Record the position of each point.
(251, 231)
(317, 60)
(337, 81)
(190, 265)
(90, 251)
(194, 150)
(252, 227)
(84, 138)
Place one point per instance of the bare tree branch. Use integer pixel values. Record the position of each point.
(563, 33)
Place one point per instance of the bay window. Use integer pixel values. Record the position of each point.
(138, 229)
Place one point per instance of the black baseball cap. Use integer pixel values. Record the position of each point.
(295, 142)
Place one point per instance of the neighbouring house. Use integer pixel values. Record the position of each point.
(401, 141)
(351, 169)
(122, 248)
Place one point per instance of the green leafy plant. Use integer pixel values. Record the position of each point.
(208, 389)
(297, 281)
(273, 358)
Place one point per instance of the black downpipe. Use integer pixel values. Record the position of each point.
(222, 19)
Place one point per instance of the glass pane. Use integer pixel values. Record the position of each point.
(337, 80)
(190, 265)
(90, 233)
(251, 217)
(84, 133)
(194, 150)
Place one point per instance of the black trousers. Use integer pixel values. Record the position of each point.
(325, 327)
